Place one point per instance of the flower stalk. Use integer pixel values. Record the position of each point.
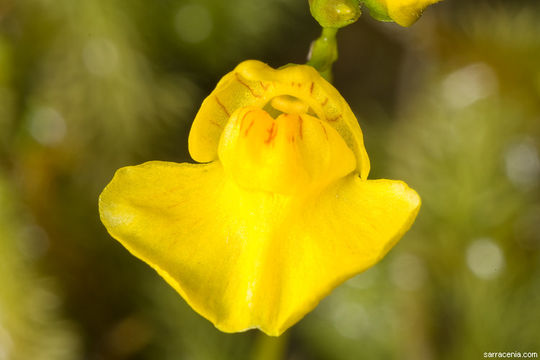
(270, 347)
(324, 52)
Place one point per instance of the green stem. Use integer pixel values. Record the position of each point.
(324, 52)
(269, 347)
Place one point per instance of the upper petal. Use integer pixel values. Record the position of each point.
(244, 258)
(253, 83)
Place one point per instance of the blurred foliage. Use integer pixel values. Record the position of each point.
(31, 326)
(450, 105)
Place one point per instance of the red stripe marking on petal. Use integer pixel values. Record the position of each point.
(247, 86)
(336, 118)
(249, 127)
(272, 132)
(222, 106)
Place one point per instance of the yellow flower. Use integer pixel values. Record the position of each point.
(403, 12)
(280, 214)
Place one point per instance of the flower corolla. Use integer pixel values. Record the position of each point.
(278, 213)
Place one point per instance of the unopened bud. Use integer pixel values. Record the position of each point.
(335, 13)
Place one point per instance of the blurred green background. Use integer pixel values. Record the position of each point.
(450, 105)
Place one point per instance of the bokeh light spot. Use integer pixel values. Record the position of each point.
(467, 85)
(193, 23)
(350, 319)
(523, 164)
(485, 258)
(47, 126)
(408, 272)
(100, 56)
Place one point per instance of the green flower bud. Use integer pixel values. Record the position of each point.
(335, 13)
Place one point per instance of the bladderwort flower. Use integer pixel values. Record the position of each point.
(278, 213)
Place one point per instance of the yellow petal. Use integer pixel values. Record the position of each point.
(253, 83)
(406, 12)
(244, 258)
